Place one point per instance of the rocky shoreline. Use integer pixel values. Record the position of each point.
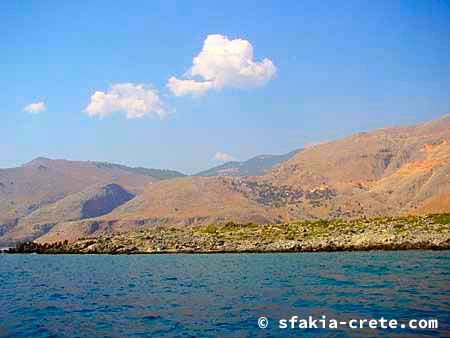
(402, 233)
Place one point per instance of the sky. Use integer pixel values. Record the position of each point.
(187, 85)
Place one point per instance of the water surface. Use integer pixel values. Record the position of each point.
(218, 295)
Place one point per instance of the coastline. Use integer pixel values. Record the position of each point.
(320, 250)
(430, 232)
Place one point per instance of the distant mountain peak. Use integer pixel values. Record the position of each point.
(255, 166)
(38, 160)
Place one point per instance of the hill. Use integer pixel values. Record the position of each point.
(43, 181)
(91, 202)
(180, 203)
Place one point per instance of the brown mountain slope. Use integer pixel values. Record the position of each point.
(43, 181)
(178, 202)
(91, 202)
(388, 171)
(360, 158)
(418, 187)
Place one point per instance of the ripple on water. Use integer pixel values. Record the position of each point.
(216, 295)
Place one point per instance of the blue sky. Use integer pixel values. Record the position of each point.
(339, 68)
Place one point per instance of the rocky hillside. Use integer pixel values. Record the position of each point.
(43, 182)
(179, 203)
(389, 171)
(92, 202)
(256, 166)
(401, 233)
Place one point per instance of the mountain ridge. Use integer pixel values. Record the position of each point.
(255, 166)
(386, 172)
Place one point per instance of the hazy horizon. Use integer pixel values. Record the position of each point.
(213, 164)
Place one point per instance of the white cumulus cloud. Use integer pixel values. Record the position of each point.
(223, 63)
(35, 108)
(224, 157)
(186, 87)
(135, 100)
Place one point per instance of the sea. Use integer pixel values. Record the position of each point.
(222, 295)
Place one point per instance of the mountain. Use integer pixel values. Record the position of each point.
(173, 203)
(386, 172)
(43, 181)
(91, 202)
(389, 171)
(256, 166)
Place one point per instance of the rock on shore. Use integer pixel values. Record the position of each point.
(401, 233)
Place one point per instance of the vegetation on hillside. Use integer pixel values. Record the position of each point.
(159, 174)
(400, 233)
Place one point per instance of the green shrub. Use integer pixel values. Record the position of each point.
(210, 229)
(441, 218)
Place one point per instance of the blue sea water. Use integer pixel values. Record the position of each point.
(220, 295)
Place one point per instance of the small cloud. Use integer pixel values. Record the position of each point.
(313, 144)
(224, 157)
(35, 108)
(223, 63)
(135, 100)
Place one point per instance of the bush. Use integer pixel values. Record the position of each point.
(210, 229)
(441, 218)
